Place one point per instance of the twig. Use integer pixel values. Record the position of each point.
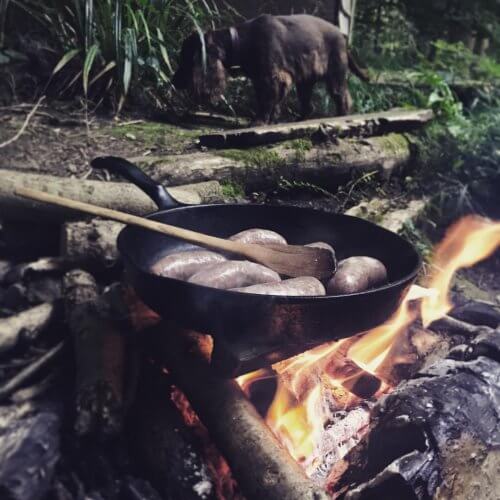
(24, 375)
(25, 124)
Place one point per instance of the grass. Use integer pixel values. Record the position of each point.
(110, 50)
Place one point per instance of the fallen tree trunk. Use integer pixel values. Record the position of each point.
(396, 120)
(262, 468)
(100, 358)
(327, 165)
(116, 195)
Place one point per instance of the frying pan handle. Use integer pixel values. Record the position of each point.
(134, 174)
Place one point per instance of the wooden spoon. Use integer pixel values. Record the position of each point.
(290, 260)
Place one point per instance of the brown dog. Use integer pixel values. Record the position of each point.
(274, 52)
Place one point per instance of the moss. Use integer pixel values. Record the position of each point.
(150, 134)
(301, 145)
(232, 190)
(394, 143)
(261, 157)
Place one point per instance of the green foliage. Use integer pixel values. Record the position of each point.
(440, 99)
(290, 186)
(232, 190)
(114, 47)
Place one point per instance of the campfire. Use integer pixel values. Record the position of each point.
(322, 404)
(408, 409)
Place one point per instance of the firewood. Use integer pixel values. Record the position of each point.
(26, 373)
(91, 242)
(29, 449)
(116, 195)
(100, 357)
(435, 435)
(26, 326)
(262, 468)
(166, 449)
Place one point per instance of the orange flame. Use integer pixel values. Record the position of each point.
(466, 243)
(297, 414)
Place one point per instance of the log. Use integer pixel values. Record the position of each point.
(100, 358)
(21, 378)
(326, 165)
(435, 436)
(26, 326)
(262, 468)
(119, 196)
(29, 449)
(396, 120)
(167, 450)
(91, 243)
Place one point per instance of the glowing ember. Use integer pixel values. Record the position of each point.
(335, 380)
(467, 242)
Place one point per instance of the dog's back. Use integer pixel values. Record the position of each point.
(300, 44)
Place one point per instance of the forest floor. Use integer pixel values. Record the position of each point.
(60, 140)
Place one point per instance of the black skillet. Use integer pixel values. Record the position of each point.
(251, 331)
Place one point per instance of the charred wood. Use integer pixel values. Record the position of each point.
(45, 266)
(437, 434)
(477, 313)
(29, 449)
(262, 468)
(100, 358)
(167, 449)
(26, 326)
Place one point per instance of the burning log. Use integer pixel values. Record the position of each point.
(305, 371)
(100, 358)
(437, 434)
(169, 454)
(26, 326)
(91, 243)
(261, 466)
(29, 449)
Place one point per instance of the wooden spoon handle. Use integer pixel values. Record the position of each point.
(177, 232)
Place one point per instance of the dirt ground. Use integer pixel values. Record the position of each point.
(61, 141)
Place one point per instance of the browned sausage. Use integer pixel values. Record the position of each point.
(295, 287)
(183, 265)
(322, 244)
(357, 274)
(234, 274)
(259, 237)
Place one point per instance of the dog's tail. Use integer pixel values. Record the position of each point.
(361, 73)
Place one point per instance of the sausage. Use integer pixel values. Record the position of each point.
(259, 237)
(234, 274)
(295, 287)
(322, 244)
(183, 265)
(357, 274)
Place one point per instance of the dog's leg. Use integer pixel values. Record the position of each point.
(336, 82)
(304, 93)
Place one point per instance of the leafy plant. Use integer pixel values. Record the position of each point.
(114, 47)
